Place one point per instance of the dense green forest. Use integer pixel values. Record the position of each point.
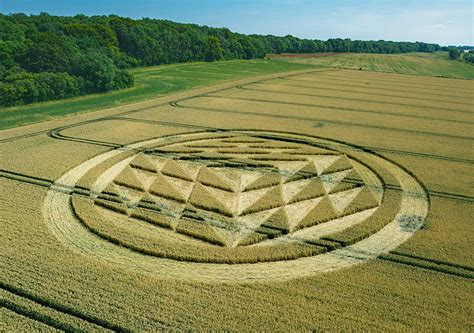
(44, 57)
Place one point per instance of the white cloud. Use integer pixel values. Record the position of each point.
(436, 22)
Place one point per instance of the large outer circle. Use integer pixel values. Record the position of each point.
(59, 216)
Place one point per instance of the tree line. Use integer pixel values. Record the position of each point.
(467, 55)
(44, 57)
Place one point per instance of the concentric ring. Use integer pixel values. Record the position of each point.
(410, 215)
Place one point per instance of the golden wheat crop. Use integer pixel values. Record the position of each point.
(176, 204)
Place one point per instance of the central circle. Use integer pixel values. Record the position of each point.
(231, 198)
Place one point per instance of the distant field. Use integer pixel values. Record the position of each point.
(298, 55)
(322, 199)
(153, 82)
(150, 82)
(428, 64)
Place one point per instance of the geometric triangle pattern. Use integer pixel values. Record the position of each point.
(173, 169)
(270, 200)
(241, 190)
(144, 163)
(308, 171)
(313, 189)
(162, 187)
(351, 180)
(322, 212)
(342, 163)
(364, 200)
(210, 178)
(129, 179)
(266, 180)
(279, 221)
(342, 199)
(203, 198)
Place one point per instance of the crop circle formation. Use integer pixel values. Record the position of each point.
(236, 205)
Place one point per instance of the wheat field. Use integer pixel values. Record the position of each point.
(318, 199)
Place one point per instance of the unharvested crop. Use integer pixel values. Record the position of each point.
(278, 220)
(267, 180)
(351, 180)
(210, 178)
(234, 225)
(322, 212)
(312, 190)
(129, 179)
(272, 199)
(143, 163)
(200, 230)
(202, 198)
(172, 169)
(375, 222)
(163, 187)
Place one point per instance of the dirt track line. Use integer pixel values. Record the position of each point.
(56, 133)
(359, 85)
(395, 151)
(322, 87)
(20, 176)
(23, 136)
(167, 123)
(415, 85)
(50, 184)
(345, 109)
(357, 70)
(370, 82)
(423, 155)
(453, 196)
(440, 194)
(36, 316)
(366, 101)
(428, 265)
(58, 129)
(436, 261)
(328, 121)
(62, 308)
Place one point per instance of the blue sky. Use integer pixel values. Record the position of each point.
(448, 22)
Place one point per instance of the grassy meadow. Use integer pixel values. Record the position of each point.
(427, 64)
